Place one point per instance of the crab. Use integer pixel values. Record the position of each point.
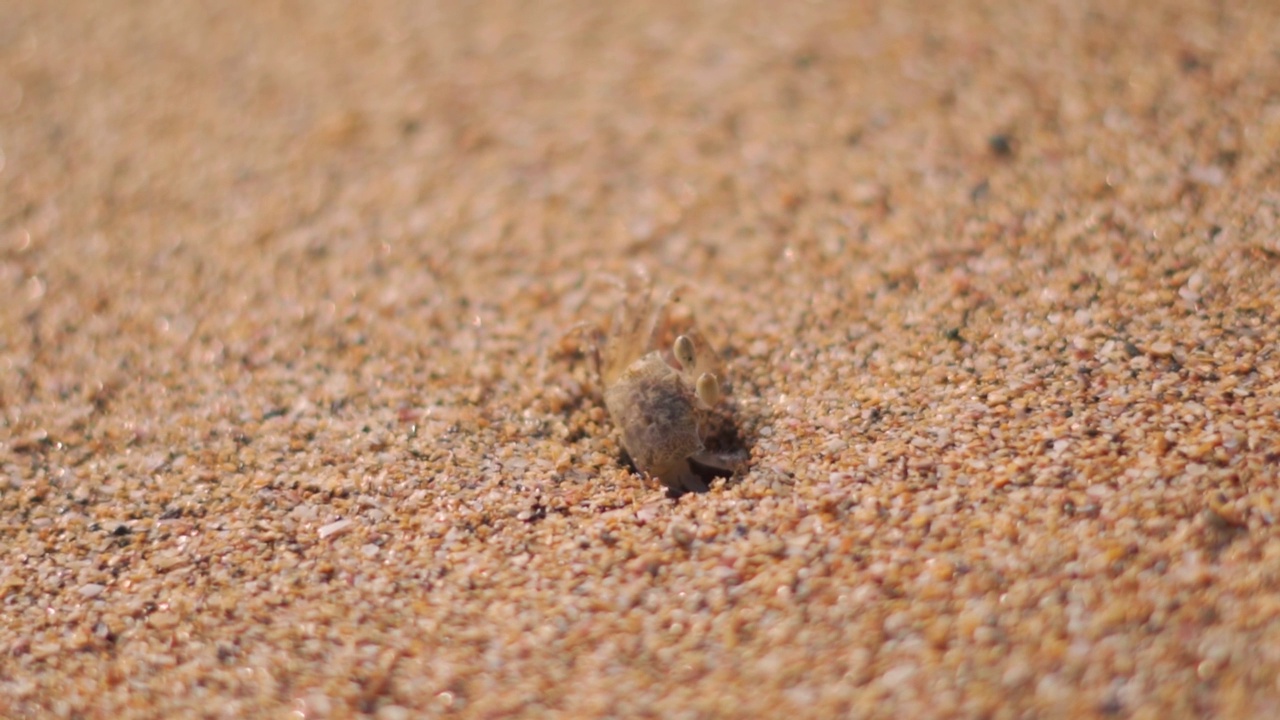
(661, 388)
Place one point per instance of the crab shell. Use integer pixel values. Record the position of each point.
(657, 410)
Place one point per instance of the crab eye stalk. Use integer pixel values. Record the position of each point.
(708, 388)
(684, 352)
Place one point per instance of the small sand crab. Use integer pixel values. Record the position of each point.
(661, 383)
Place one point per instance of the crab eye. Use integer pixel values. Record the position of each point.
(684, 352)
(708, 388)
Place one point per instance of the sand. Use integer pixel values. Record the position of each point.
(292, 422)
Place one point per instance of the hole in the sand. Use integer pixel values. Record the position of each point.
(709, 472)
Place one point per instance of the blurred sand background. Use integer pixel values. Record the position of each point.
(289, 427)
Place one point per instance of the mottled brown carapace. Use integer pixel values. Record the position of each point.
(661, 381)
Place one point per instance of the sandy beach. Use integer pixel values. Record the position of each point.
(295, 422)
